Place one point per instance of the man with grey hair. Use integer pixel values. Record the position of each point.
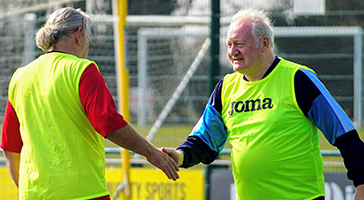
(59, 112)
(271, 111)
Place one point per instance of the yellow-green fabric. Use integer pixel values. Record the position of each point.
(275, 148)
(62, 155)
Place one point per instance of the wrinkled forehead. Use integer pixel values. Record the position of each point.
(240, 29)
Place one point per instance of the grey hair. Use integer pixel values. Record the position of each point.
(60, 24)
(262, 24)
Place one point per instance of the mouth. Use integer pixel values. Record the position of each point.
(236, 59)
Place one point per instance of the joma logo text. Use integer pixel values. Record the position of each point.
(250, 105)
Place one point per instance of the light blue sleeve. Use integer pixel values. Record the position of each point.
(326, 113)
(211, 129)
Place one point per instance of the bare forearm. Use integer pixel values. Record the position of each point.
(128, 138)
(13, 163)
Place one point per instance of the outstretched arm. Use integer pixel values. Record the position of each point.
(101, 111)
(207, 138)
(128, 138)
(13, 162)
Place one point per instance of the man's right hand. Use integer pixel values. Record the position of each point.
(177, 155)
(165, 163)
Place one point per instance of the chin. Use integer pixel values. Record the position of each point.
(237, 68)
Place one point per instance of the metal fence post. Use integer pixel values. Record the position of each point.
(29, 31)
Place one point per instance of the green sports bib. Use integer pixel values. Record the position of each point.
(275, 148)
(62, 156)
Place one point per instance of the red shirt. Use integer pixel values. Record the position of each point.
(96, 100)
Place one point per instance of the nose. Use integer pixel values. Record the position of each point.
(232, 51)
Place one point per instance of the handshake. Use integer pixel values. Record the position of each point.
(168, 160)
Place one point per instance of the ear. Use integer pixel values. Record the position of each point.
(78, 35)
(265, 42)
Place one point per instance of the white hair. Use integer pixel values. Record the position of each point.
(262, 24)
(60, 25)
